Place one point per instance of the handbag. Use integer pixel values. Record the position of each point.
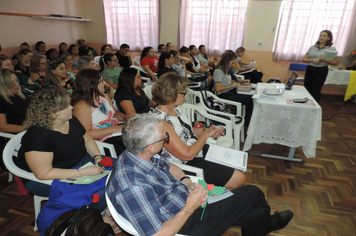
(82, 222)
(217, 106)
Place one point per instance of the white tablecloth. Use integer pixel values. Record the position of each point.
(340, 77)
(293, 125)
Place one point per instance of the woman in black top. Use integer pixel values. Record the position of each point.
(13, 106)
(164, 63)
(129, 96)
(56, 145)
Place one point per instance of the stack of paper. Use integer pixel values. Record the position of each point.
(227, 156)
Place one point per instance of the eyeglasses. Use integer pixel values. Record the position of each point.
(183, 93)
(165, 139)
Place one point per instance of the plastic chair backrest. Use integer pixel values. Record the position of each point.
(11, 150)
(148, 91)
(110, 147)
(298, 66)
(119, 219)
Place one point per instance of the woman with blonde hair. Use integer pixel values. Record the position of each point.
(226, 87)
(187, 144)
(254, 76)
(13, 105)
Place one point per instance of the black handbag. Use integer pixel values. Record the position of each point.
(217, 106)
(82, 222)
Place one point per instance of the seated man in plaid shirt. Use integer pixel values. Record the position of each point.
(158, 199)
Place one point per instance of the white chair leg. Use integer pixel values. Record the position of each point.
(242, 134)
(237, 139)
(11, 176)
(37, 202)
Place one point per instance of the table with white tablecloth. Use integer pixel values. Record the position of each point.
(338, 77)
(293, 125)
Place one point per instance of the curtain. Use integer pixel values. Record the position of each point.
(301, 21)
(218, 24)
(135, 22)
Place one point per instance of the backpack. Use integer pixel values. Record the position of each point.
(82, 222)
(217, 106)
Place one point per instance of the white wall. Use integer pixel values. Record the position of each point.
(17, 29)
(95, 30)
(261, 23)
(169, 12)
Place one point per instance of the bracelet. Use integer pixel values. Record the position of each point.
(97, 156)
(79, 172)
(184, 177)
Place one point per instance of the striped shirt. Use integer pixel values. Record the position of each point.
(144, 192)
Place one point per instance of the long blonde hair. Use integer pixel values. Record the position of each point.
(6, 84)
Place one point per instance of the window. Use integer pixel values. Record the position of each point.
(301, 21)
(218, 24)
(132, 22)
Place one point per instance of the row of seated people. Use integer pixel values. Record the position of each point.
(81, 49)
(52, 149)
(130, 98)
(191, 59)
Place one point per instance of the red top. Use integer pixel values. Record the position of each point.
(151, 63)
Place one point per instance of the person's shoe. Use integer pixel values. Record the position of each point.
(282, 220)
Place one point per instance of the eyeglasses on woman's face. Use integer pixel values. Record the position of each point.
(165, 139)
(185, 93)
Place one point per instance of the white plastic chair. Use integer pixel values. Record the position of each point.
(148, 91)
(192, 111)
(110, 147)
(126, 225)
(144, 78)
(9, 136)
(12, 148)
(138, 60)
(238, 129)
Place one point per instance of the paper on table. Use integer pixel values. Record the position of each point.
(227, 156)
(266, 97)
(86, 179)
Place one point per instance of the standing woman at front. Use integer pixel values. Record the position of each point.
(317, 68)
